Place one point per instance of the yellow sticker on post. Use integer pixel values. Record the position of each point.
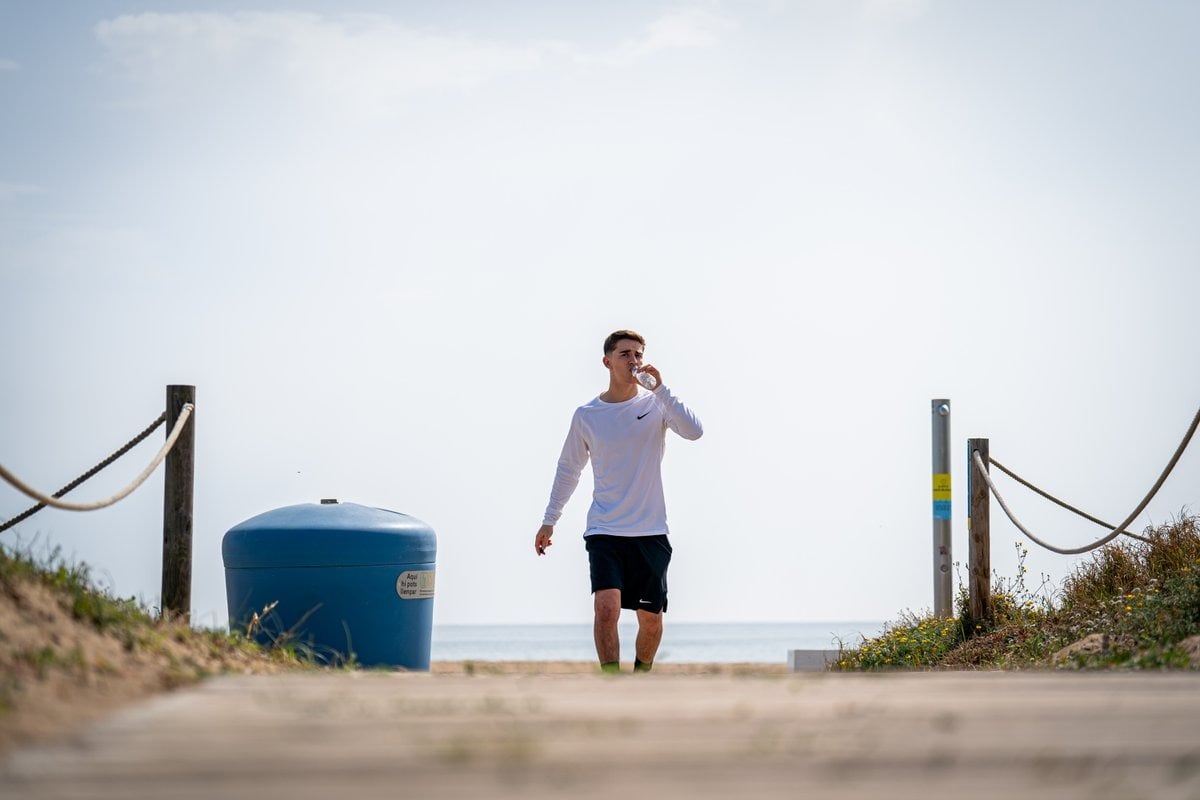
(941, 495)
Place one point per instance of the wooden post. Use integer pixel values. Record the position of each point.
(979, 530)
(177, 508)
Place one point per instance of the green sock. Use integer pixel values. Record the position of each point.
(642, 666)
(610, 666)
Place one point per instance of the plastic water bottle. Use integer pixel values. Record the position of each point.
(645, 379)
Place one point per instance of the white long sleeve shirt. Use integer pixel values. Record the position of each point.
(625, 442)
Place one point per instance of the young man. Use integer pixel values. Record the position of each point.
(623, 431)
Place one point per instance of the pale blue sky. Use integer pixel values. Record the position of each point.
(385, 241)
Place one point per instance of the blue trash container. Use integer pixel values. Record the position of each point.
(345, 579)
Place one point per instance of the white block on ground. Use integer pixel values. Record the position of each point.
(811, 660)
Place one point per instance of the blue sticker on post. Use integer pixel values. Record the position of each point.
(941, 495)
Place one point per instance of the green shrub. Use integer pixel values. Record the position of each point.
(1144, 595)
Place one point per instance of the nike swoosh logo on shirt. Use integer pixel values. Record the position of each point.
(643, 415)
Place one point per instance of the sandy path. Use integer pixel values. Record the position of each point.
(563, 731)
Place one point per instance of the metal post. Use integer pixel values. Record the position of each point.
(178, 483)
(943, 601)
(980, 534)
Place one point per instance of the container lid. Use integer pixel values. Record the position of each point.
(328, 535)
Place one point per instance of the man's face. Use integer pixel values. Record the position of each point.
(622, 360)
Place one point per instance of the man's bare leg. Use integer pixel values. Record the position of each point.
(650, 631)
(608, 613)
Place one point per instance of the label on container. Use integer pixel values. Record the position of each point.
(415, 584)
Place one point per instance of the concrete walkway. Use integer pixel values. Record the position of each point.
(913, 735)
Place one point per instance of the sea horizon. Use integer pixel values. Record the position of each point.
(683, 642)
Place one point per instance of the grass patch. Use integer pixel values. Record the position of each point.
(190, 653)
(911, 641)
(1139, 601)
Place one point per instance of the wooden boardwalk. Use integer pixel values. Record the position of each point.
(911, 735)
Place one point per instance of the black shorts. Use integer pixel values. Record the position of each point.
(637, 565)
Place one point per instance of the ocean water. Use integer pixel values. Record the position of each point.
(683, 642)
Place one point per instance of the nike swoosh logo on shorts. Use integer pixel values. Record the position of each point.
(643, 415)
(647, 602)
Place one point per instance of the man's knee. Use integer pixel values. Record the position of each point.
(650, 622)
(608, 605)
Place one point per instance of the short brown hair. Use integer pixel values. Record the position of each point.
(610, 343)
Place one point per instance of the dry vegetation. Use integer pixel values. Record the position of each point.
(1133, 604)
(70, 653)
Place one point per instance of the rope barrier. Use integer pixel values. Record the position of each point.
(185, 413)
(1062, 503)
(1117, 530)
(135, 441)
